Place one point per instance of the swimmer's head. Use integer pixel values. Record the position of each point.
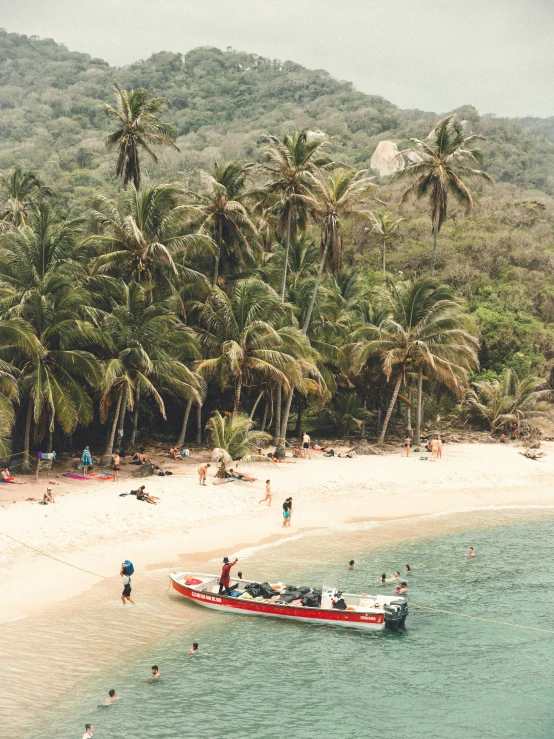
(195, 645)
(154, 668)
(111, 693)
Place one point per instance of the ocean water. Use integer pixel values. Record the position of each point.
(444, 676)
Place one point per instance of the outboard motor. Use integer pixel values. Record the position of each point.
(395, 614)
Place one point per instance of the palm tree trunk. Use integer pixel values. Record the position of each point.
(256, 404)
(286, 264)
(135, 418)
(199, 424)
(362, 427)
(238, 390)
(27, 444)
(390, 409)
(278, 404)
(419, 406)
(435, 239)
(409, 412)
(314, 293)
(286, 412)
(384, 258)
(181, 439)
(123, 411)
(111, 440)
(300, 410)
(264, 419)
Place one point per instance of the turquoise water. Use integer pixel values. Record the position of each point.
(444, 676)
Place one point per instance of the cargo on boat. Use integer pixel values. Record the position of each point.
(313, 606)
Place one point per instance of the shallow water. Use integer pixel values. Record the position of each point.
(445, 676)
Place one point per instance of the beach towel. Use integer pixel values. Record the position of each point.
(73, 476)
(101, 475)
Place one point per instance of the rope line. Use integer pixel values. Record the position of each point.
(481, 618)
(102, 577)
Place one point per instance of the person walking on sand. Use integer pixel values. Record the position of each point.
(439, 447)
(86, 460)
(126, 594)
(116, 460)
(202, 472)
(268, 495)
(407, 444)
(289, 500)
(306, 445)
(89, 728)
(434, 449)
(225, 579)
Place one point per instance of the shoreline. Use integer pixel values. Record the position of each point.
(94, 528)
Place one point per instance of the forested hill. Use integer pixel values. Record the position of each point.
(51, 114)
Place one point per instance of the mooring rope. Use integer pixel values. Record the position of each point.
(23, 544)
(481, 618)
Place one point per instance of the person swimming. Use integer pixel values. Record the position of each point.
(194, 648)
(351, 564)
(383, 579)
(402, 588)
(155, 672)
(396, 576)
(407, 569)
(471, 553)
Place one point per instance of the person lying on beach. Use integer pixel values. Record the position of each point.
(5, 476)
(281, 461)
(348, 455)
(330, 453)
(241, 476)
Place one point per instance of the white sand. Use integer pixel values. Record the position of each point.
(92, 527)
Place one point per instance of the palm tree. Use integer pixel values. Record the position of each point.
(510, 399)
(235, 437)
(138, 236)
(139, 129)
(446, 160)
(385, 225)
(223, 215)
(148, 350)
(421, 331)
(20, 190)
(290, 166)
(344, 194)
(244, 343)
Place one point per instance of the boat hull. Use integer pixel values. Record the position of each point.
(226, 604)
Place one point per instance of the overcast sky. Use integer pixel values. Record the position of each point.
(430, 54)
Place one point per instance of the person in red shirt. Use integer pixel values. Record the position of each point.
(226, 575)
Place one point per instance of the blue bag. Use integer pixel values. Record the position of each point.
(128, 568)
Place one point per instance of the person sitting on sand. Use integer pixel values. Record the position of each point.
(140, 458)
(175, 454)
(5, 476)
(48, 496)
(298, 453)
(144, 496)
(503, 438)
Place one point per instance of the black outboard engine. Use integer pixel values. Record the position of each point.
(395, 614)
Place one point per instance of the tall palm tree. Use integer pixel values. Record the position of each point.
(138, 235)
(343, 194)
(290, 166)
(148, 350)
(511, 399)
(385, 225)
(222, 213)
(139, 128)
(446, 160)
(418, 333)
(244, 342)
(20, 190)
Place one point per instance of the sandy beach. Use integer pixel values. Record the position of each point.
(93, 527)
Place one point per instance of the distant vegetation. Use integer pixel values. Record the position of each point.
(230, 252)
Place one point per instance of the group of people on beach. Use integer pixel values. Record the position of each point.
(434, 446)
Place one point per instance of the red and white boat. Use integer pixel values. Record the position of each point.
(368, 612)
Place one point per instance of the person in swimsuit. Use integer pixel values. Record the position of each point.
(401, 589)
(48, 496)
(116, 461)
(286, 514)
(268, 495)
(471, 553)
(351, 564)
(155, 672)
(126, 594)
(396, 576)
(306, 445)
(194, 648)
(407, 569)
(407, 444)
(202, 472)
(89, 728)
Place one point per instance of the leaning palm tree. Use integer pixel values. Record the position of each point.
(446, 160)
(243, 341)
(222, 213)
(290, 165)
(139, 128)
(385, 225)
(20, 190)
(234, 438)
(343, 194)
(417, 333)
(138, 235)
(510, 399)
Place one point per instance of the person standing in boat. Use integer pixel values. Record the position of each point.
(225, 578)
